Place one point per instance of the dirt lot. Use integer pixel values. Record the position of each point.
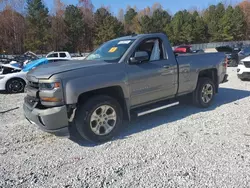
(179, 147)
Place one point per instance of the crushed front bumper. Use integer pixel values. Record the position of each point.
(52, 120)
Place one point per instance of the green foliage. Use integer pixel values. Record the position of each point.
(156, 23)
(187, 27)
(107, 27)
(130, 15)
(146, 24)
(80, 29)
(199, 29)
(227, 24)
(75, 27)
(239, 23)
(159, 19)
(37, 36)
(213, 18)
(176, 28)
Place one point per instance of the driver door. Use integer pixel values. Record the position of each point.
(153, 79)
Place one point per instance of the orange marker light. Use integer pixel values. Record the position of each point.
(50, 99)
(57, 84)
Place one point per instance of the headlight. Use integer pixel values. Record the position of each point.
(241, 63)
(1, 77)
(49, 86)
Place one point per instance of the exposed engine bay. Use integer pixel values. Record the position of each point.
(10, 68)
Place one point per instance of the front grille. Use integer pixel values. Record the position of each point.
(33, 84)
(247, 64)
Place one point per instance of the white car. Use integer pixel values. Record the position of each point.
(63, 55)
(13, 76)
(243, 70)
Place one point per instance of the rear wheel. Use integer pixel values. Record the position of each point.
(99, 119)
(235, 63)
(244, 79)
(16, 85)
(204, 94)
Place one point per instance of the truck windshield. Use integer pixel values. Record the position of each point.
(111, 51)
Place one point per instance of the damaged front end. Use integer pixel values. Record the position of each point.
(8, 69)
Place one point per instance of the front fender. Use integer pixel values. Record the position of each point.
(77, 86)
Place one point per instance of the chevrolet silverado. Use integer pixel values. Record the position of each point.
(132, 75)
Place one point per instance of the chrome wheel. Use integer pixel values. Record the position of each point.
(103, 120)
(207, 93)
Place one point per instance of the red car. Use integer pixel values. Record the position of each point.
(183, 49)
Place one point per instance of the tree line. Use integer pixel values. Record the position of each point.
(28, 25)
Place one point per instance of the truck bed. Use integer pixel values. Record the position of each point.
(191, 64)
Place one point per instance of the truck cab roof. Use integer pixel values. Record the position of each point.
(137, 36)
(61, 54)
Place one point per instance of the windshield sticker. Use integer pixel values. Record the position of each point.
(124, 42)
(112, 50)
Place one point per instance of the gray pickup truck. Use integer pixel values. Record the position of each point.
(132, 75)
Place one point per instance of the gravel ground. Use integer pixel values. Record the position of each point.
(178, 147)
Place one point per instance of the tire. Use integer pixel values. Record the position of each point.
(244, 79)
(235, 64)
(199, 96)
(16, 85)
(88, 115)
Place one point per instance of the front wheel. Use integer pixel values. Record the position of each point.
(15, 86)
(99, 119)
(204, 94)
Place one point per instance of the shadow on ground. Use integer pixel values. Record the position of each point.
(225, 96)
(3, 92)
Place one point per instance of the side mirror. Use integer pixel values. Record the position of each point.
(139, 57)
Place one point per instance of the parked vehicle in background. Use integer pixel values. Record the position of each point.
(133, 75)
(231, 55)
(183, 49)
(24, 58)
(13, 76)
(199, 51)
(210, 50)
(243, 70)
(27, 56)
(62, 55)
(245, 52)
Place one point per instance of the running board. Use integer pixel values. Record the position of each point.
(157, 109)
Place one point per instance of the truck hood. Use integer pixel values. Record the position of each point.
(48, 70)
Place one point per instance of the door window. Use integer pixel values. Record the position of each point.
(154, 48)
(53, 55)
(62, 54)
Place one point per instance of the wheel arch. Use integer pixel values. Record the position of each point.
(212, 74)
(14, 78)
(115, 92)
